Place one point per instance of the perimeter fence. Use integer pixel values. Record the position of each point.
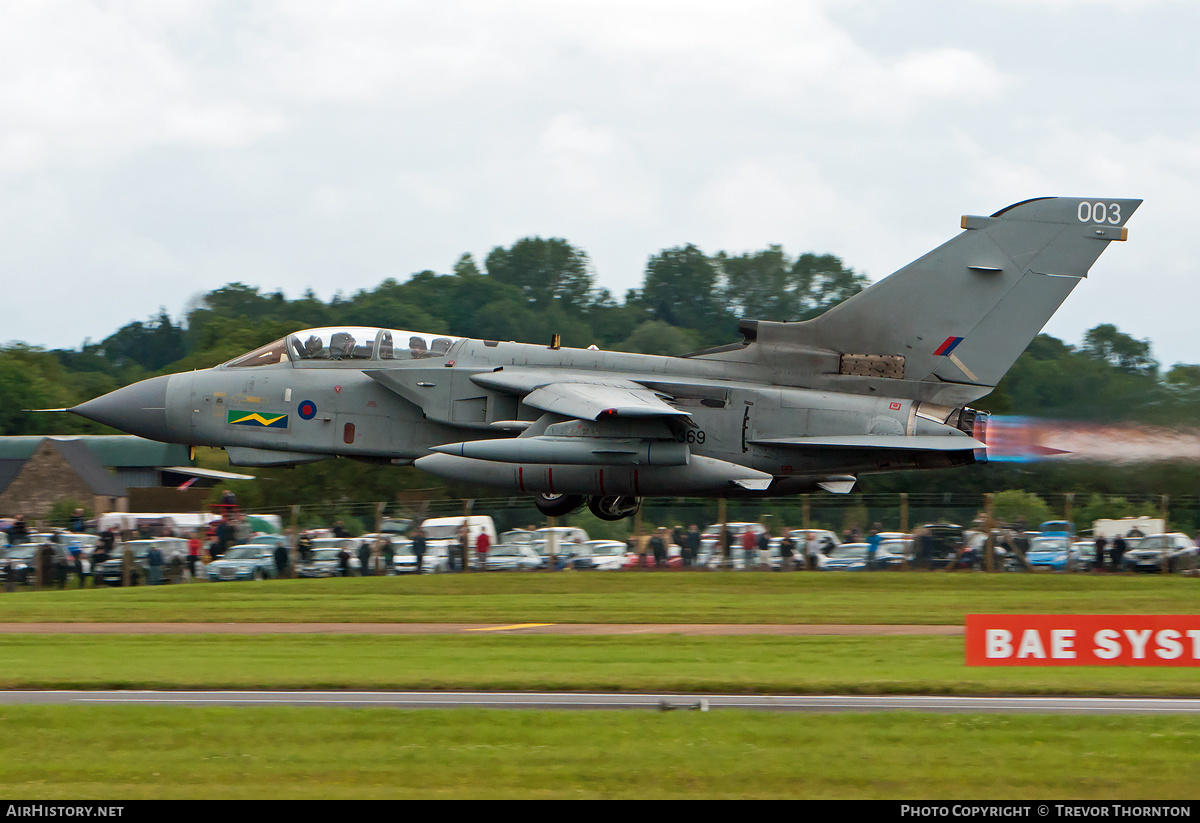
(894, 511)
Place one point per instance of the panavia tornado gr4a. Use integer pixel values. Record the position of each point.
(878, 383)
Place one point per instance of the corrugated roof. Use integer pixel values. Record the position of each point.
(9, 469)
(118, 451)
(85, 464)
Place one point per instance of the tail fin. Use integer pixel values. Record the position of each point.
(965, 311)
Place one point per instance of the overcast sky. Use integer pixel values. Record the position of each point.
(151, 151)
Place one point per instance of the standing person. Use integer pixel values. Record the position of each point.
(691, 542)
(631, 547)
(787, 548)
(418, 547)
(764, 550)
(225, 536)
(44, 554)
(364, 557)
(749, 550)
(482, 544)
(78, 562)
(873, 541)
(658, 545)
(813, 550)
(344, 562)
(18, 532)
(727, 548)
(464, 547)
(385, 550)
(1101, 544)
(193, 555)
(63, 564)
(281, 561)
(78, 520)
(1118, 551)
(639, 547)
(100, 554)
(154, 562)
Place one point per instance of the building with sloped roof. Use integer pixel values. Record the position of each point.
(100, 472)
(58, 469)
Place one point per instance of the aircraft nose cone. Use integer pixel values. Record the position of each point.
(139, 409)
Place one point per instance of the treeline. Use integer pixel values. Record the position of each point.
(527, 292)
(688, 300)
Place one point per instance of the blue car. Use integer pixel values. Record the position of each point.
(1055, 552)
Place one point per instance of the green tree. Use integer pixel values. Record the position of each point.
(542, 271)
(150, 345)
(657, 337)
(1019, 506)
(1119, 350)
(823, 281)
(682, 288)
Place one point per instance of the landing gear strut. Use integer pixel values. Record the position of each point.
(557, 505)
(614, 508)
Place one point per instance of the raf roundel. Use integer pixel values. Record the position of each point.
(307, 410)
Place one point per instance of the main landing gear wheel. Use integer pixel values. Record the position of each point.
(614, 508)
(557, 505)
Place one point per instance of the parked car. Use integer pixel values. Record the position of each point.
(250, 561)
(325, 559)
(674, 558)
(19, 562)
(1179, 551)
(272, 540)
(1058, 528)
(567, 545)
(512, 557)
(1056, 552)
(403, 559)
(441, 534)
(825, 538)
(852, 557)
(607, 555)
(940, 547)
(173, 549)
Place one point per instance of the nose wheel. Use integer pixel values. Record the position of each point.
(613, 507)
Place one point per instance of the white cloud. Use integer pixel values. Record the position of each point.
(300, 143)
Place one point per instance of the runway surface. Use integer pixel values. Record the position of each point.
(576, 701)
(693, 629)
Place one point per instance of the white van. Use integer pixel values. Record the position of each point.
(441, 533)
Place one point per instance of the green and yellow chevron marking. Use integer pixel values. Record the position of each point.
(266, 420)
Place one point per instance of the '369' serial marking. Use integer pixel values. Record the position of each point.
(690, 436)
(1099, 212)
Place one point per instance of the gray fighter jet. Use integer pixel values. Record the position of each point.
(878, 383)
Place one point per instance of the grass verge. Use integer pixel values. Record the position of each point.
(125, 752)
(622, 597)
(641, 663)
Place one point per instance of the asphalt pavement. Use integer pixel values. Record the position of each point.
(576, 701)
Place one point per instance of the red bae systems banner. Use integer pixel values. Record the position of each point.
(1083, 640)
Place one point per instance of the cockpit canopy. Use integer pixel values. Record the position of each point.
(348, 343)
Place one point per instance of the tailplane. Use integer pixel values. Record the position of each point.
(965, 311)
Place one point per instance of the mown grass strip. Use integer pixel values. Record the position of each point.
(121, 752)
(621, 597)
(643, 663)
